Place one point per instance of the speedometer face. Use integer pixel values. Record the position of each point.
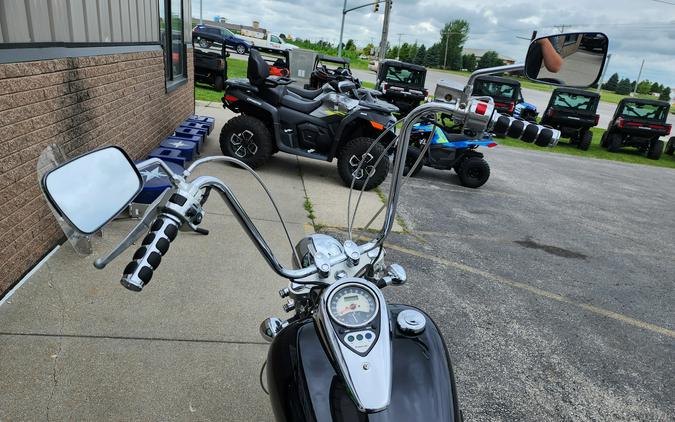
(352, 306)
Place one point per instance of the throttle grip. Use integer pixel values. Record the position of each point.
(528, 132)
(148, 257)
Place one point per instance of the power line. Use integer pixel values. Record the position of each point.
(665, 2)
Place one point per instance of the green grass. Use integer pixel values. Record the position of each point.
(626, 155)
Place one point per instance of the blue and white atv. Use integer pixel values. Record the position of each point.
(447, 151)
(525, 111)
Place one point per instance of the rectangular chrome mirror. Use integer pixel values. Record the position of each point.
(90, 190)
(574, 60)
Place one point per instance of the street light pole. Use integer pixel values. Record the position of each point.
(342, 28)
(637, 82)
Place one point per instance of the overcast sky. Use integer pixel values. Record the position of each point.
(638, 29)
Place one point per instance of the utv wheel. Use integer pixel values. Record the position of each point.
(241, 49)
(655, 150)
(670, 146)
(613, 142)
(410, 159)
(473, 172)
(351, 155)
(603, 140)
(218, 82)
(585, 140)
(247, 139)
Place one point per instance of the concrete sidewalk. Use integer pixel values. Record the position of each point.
(75, 345)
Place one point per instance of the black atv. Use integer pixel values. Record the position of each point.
(335, 121)
(329, 68)
(638, 123)
(210, 67)
(401, 84)
(573, 113)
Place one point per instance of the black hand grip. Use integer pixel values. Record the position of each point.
(148, 257)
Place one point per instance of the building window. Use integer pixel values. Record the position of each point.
(171, 22)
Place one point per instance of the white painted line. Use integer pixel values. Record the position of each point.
(27, 276)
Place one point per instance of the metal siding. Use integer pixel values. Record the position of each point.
(155, 20)
(77, 24)
(1, 38)
(91, 19)
(149, 16)
(115, 21)
(15, 20)
(60, 22)
(126, 24)
(104, 20)
(39, 21)
(133, 19)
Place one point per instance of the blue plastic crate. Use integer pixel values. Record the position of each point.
(187, 148)
(196, 139)
(155, 181)
(168, 155)
(184, 131)
(197, 125)
(206, 120)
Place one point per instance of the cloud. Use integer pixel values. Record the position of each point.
(638, 29)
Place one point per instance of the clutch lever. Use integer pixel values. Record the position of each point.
(141, 228)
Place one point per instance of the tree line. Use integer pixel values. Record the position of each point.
(625, 86)
(447, 53)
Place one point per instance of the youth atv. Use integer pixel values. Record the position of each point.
(447, 151)
(335, 121)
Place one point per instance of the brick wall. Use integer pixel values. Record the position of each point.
(80, 103)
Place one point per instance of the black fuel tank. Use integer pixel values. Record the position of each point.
(304, 386)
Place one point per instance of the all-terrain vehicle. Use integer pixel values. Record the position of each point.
(638, 123)
(329, 68)
(573, 113)
(210, 67)
(335, 121)
(507, 96)
(448, 149)
(401, 84)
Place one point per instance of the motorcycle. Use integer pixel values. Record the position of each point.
(345, 354)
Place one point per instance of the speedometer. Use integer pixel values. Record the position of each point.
(352, 306)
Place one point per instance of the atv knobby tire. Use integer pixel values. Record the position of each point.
(351, 154)
(247, 139)
(585, 139)
(473, 172)
(603, 140)
(613, 142)
(670, 146)
(655, 150)
(410, 159)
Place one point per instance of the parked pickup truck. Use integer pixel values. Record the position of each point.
(270, 42)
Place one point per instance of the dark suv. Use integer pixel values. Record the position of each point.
(638, 123)
(225, 36)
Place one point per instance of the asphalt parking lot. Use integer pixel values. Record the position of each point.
(553, 285)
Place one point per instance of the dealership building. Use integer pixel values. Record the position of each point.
(81, 74)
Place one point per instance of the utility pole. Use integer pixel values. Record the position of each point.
(201, 21)
(385, 30)
(342, 28)
(637, 82)
(562, 27)
(445, 59)
(602, 78)
(398, 52)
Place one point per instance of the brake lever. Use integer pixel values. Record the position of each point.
(141, 228)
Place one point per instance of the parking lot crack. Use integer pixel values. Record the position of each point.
(55, 357)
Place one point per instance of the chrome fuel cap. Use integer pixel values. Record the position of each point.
(411, 321)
